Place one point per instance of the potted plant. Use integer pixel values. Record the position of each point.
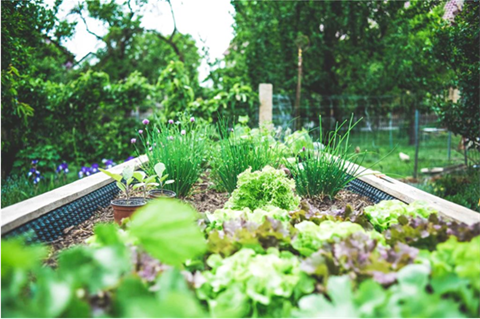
(155, 193)
(124, 207)
(144, 182)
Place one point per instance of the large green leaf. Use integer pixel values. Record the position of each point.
(166, 229)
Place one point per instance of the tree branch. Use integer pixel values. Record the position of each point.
(174, 21)
(172, 44)
(86, 26)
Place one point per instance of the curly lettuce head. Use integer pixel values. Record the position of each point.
(386, 213)
(311, 236)
(259, 189)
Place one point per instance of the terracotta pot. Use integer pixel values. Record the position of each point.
(123, 208)
(157, 193)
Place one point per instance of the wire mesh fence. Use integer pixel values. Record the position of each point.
(386, 132)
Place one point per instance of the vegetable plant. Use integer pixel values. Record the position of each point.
(324, 172)
(237, 152)
(162, 179)
(124, 180)
(266, 187)
(180, 146)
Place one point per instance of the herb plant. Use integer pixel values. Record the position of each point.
(181, 147)
(324, 172)
(237, 152)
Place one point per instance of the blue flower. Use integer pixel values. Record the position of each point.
(62, 168)
(35, 162)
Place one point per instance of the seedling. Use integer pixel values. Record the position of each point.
(144, 182)
(124, 180)
(159, 169)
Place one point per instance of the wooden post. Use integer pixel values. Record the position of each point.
(298, 120)
(266, 102)
(417, 143)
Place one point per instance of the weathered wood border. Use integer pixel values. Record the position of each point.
(20, 213)
(409, 194)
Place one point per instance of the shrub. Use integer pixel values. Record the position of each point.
(327, 171)
(181, 146)
(258, 189)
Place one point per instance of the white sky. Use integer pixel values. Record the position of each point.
(209, 21)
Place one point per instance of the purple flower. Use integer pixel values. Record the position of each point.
(231, 129)
(108, 163)
(34, 162)
(303, 149)
(192, 119)
(129, 159)
(183, 132)
(170, 138)
(170, 121)
(36, 180)
(62, 167)
(140, 131)
(133, 140)
(150, 149)
(94, 168)
(145, 122)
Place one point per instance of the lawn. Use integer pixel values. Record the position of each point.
(383, 156)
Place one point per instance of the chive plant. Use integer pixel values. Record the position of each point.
(181, 146)
(238, 152)
(326, 171)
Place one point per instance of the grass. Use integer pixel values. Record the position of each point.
(18, 188)
(432, 152)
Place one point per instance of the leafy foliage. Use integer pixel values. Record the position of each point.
(426, 233)
(371, 300)
(241, 149)
(387, 212)
(455, 44)
(181, 147)
(326, 171)
(253, 285)
(311, 236)
(258, 189)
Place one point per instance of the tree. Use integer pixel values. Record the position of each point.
(366, 48)
(31, 37)
(457, 44)
(129, 47)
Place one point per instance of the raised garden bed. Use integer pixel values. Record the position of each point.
(262, 251)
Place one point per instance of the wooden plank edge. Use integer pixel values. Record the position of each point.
(409, 194)
(21, 213)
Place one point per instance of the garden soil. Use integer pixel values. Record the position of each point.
(204, 198)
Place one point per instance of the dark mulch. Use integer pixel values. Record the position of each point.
(344, 197)
(203, 198)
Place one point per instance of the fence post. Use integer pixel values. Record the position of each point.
(266, 102)
(449, 145)
(417, 142)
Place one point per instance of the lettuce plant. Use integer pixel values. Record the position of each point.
(311, 236)
(244, 283)
(387, 212)
(268, 187)
(258, 216)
